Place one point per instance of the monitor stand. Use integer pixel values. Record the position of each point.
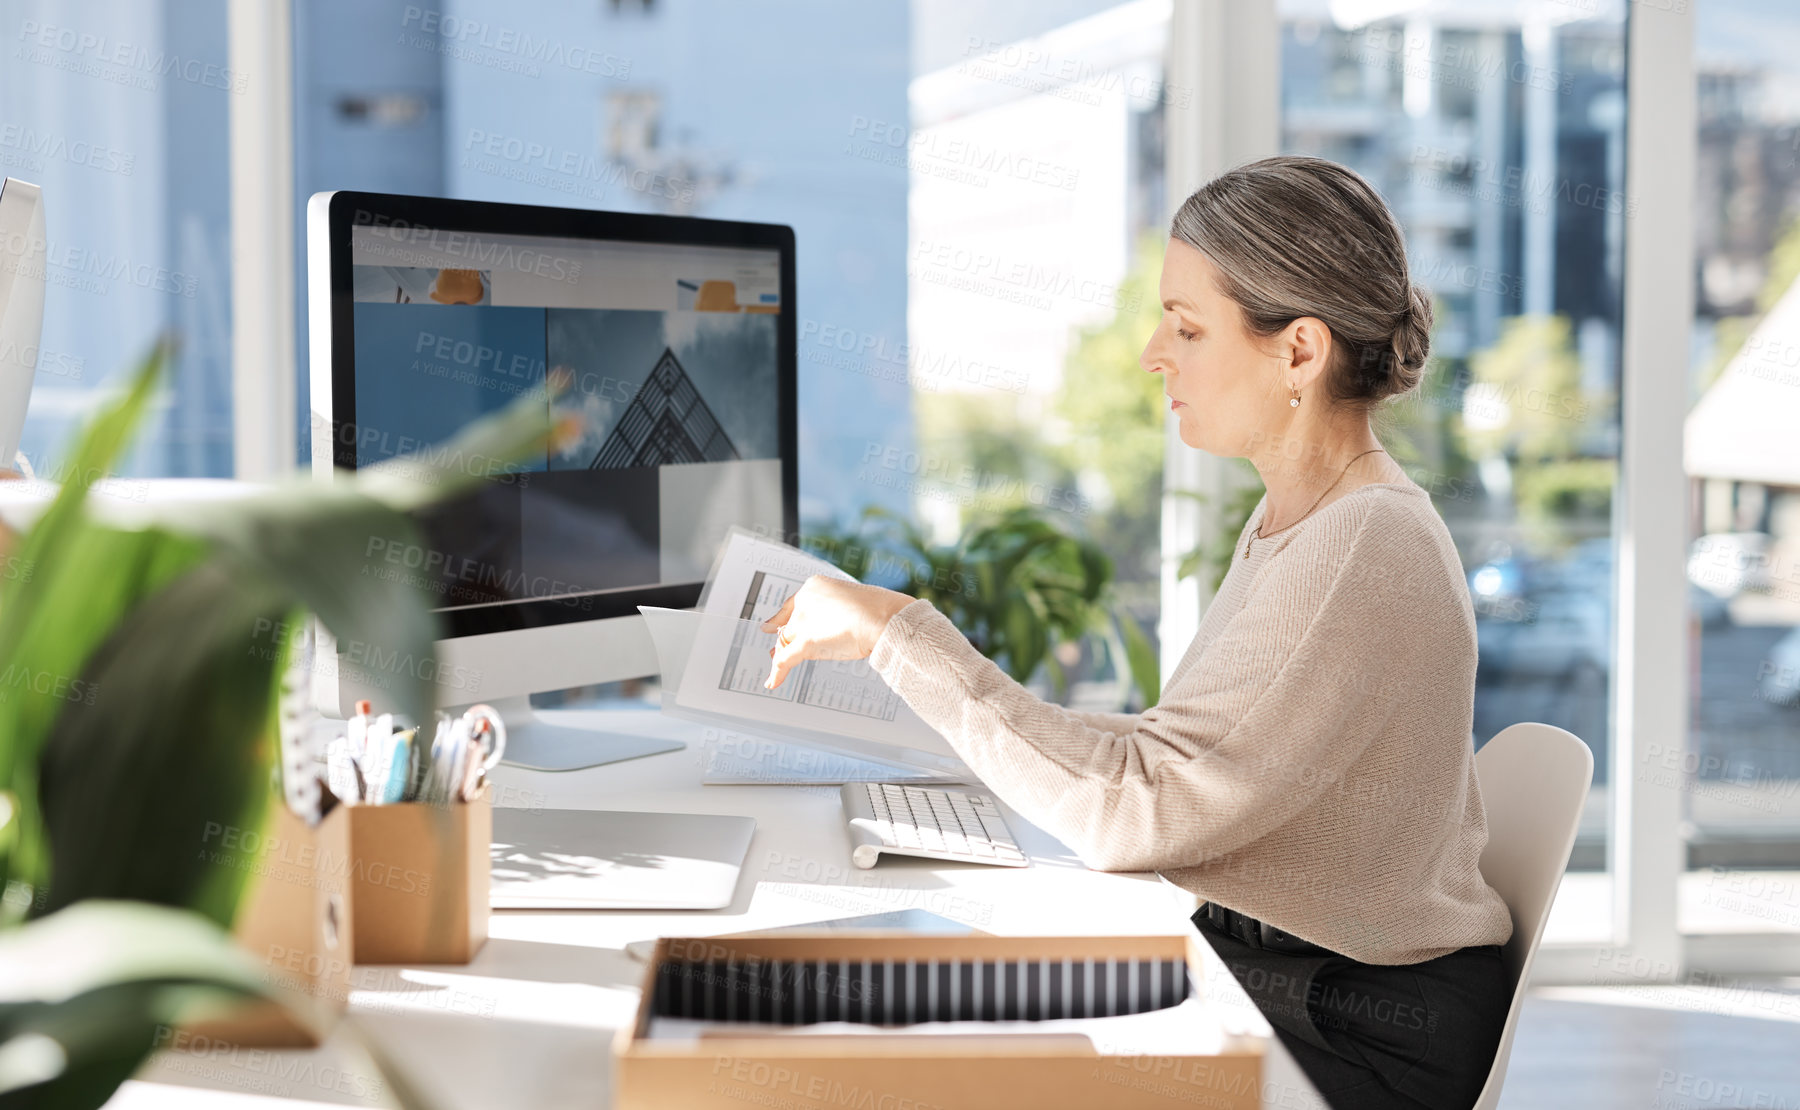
(537, 744)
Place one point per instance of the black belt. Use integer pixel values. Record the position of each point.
(1257, 934)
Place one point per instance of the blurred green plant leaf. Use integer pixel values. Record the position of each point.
(1016, 585)
(60, 601)
(174, 748)
(141, 649)
(1140, 655)
(1214, 555)
(295, 546)
(86, 993)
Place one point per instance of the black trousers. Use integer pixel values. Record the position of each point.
(1373, 1037)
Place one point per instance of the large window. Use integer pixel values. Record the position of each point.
(1741, 772)
(1496, 133)
(118, 109)
(978, 194)
(1036, 218)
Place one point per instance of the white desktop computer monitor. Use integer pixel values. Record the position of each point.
(22, 247)
(679, 336)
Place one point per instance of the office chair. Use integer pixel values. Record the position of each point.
(1534, 779)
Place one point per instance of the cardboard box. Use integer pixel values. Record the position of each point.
(1023, 1072)
(419, 881)
(296, 922)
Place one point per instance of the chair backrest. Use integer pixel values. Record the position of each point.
(1534, 781)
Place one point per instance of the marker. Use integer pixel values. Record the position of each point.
(356, 730)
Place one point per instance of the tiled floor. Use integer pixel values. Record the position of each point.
(1658, 1048)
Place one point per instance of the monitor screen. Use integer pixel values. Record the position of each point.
(672, 350)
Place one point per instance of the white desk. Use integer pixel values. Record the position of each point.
(530, 1022)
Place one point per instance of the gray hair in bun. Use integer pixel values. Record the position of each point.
(1295, 236)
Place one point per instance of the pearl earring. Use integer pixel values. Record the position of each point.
(1294, 402)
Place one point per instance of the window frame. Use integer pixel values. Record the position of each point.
(260, 43)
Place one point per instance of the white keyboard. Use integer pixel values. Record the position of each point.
(925, 821)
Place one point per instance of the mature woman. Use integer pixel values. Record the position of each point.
(1308, 771)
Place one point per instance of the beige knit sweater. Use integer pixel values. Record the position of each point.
(1310, 762)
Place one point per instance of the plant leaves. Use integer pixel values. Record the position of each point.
(331, 545)
(95, 452)
(1097, 568)
(486, 448)
(95, 576)
(329, 549)
(85, 992)
(1024, 638)
(174, 749)
(1015, 585)
(98, 943)
(1146, 670)
(159, 634)
(59, 597)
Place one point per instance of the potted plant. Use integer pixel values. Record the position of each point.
(1016, 585)
(147, 707)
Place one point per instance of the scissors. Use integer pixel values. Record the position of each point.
(486, 743)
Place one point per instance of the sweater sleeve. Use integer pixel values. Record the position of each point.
(1116, 723)
(1242, 743)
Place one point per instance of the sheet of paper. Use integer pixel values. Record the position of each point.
(729, 661)
(733, 755)
(750, 582)
(769, 749)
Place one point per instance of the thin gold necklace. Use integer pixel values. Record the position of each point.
(1256, 534)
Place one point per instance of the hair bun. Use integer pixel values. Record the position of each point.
(1293, 236)
(1411, 342)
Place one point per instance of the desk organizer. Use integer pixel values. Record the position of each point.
(295, 922)
(419, 880)
(895, 980)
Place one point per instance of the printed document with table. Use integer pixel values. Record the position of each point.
(721, 655)
(714, 666)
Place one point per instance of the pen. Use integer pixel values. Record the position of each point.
(398, 768)
(356, 729)
(378, 754)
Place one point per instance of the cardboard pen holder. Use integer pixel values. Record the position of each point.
(419, 880)
(752, 978)
(294, 921)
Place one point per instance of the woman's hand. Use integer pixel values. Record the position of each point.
(829, 619)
